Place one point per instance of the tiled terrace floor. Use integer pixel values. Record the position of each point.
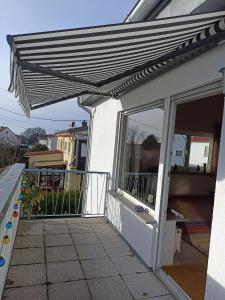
(79, 259)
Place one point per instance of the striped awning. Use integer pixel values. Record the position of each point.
(49, 67)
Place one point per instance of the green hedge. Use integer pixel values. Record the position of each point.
(54, 203)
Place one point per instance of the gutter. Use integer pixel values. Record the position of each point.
(90, 129)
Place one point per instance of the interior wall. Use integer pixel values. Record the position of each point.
(199, 116)
(192, 185)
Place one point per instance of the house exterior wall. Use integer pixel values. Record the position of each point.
(44, 158)
(215, 285)
(104, 135)
(66, 144)
(8, 137)
(201, 70)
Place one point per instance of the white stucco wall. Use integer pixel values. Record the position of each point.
(104, 135)
(215, 287)
(196, 72)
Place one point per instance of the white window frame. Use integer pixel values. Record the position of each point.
(120, 155)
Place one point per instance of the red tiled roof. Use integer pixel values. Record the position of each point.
(204, 139)
(67, 132)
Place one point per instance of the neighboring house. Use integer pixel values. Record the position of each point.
(73, 143)
(42, 140)
(19, 140)
(150, 81)
(7, 136)
(52, 142)
(48, 140)
(45, 159)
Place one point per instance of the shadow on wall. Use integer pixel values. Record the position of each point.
(214, 290)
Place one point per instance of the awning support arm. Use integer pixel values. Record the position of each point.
(87, 92)
(43, 70)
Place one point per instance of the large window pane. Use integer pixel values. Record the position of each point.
(141, 154)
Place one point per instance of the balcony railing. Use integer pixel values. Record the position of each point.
(56, 193)
(141, 186)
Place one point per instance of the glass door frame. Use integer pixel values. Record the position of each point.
(203, 91)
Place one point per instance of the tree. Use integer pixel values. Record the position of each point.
(32, 134)
(150, 141)
(10, 155)
(39, 147)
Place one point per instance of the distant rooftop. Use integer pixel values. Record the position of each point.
(42, 152)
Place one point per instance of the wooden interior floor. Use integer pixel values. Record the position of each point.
(191, 278)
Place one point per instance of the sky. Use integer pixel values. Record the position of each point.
(26, 16)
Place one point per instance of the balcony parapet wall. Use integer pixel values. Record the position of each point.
(9, 192)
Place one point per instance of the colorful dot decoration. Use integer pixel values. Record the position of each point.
(6, 239)
(21, 196)
(15, 214)
(2, 261)
(8, 225)
(16, 206)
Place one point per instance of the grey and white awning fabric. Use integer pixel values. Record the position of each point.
(49, 67)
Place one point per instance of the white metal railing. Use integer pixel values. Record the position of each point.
(141, 186)
(56, 193)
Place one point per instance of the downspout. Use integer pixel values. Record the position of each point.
(90, 127)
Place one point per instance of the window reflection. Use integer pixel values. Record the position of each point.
(141, 154)
(191, 153)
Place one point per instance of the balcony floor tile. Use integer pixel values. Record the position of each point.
(63, 253)
(91, 251)
(55, 229)
(85, 238)
(36, 241)
(117, 249)
(111, 288)
(76, 258)
(165, 297)
(64, 271)
(27, 256)
(105, 237)
(25, 275)
(145, 285)
(37, 292)
(95, 268)
(80, 228)
(69, 290)
(58, 240)
(30, 228)
(128, 265)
